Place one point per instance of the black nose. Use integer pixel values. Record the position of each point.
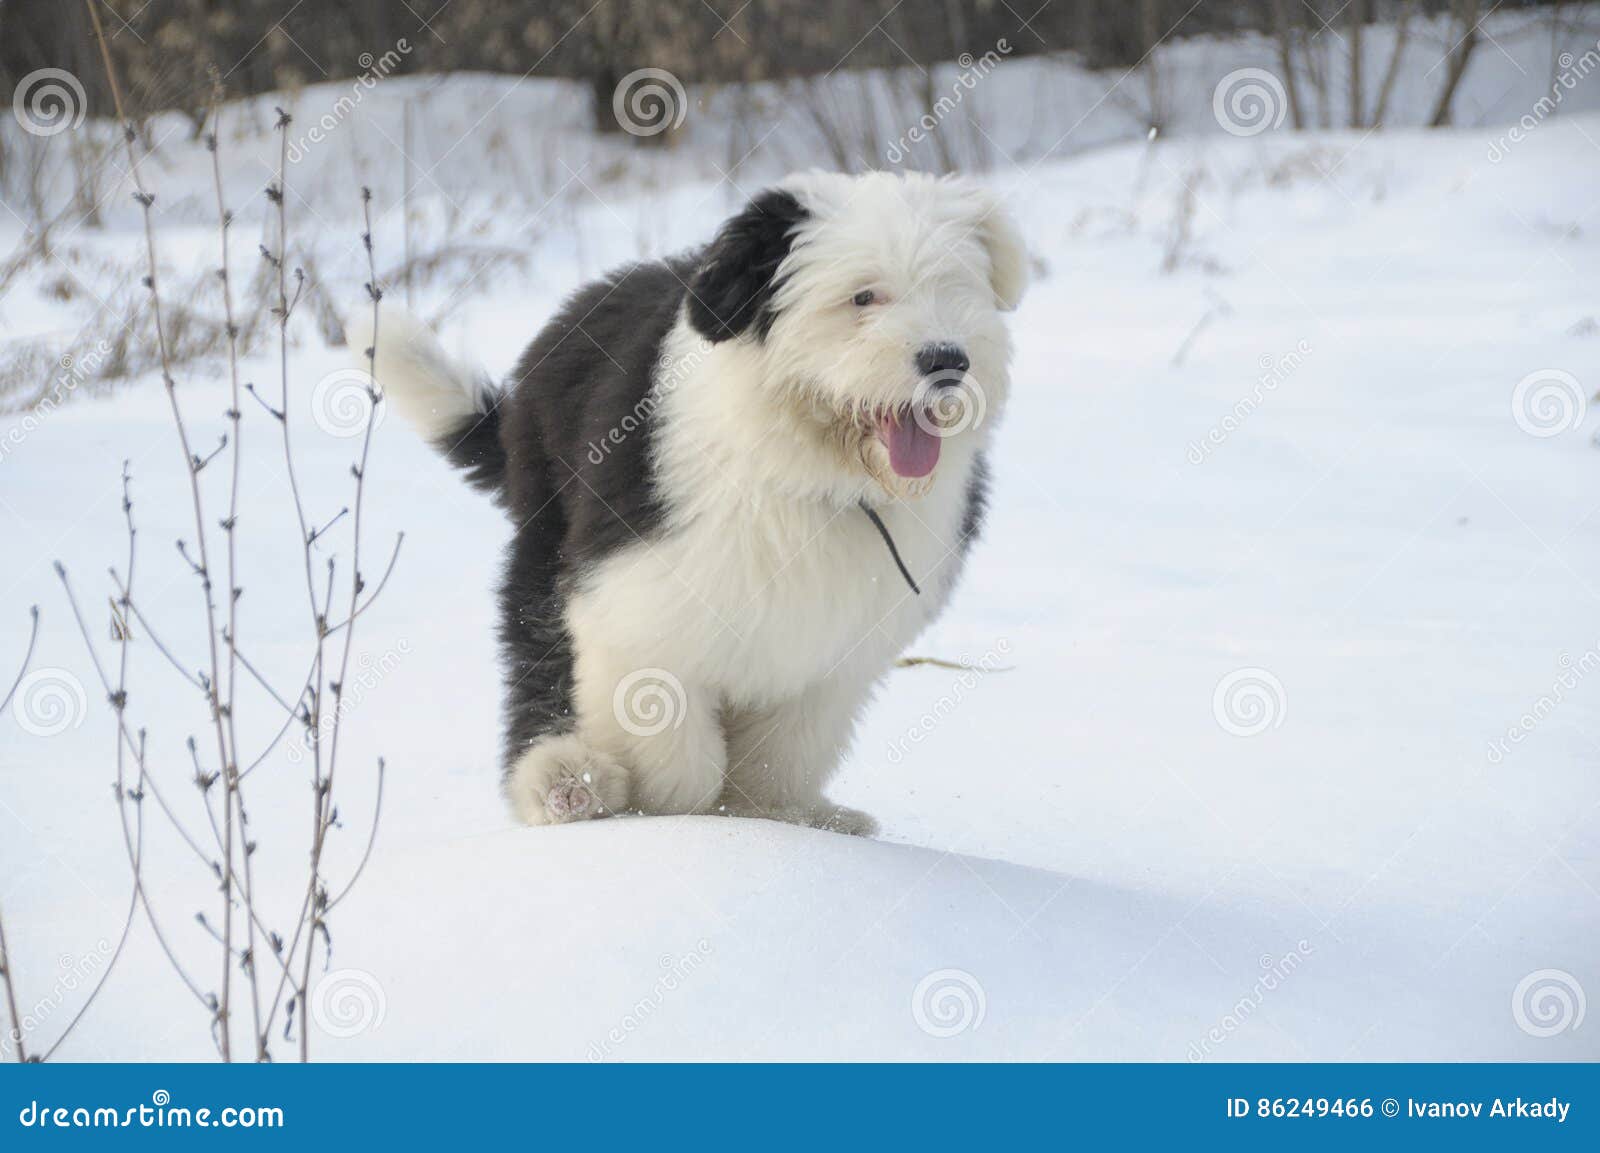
(942, 360)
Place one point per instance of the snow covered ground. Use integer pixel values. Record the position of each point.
(1294, 519)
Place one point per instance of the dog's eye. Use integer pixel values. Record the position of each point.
(863, 298)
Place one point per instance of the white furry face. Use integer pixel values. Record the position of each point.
(886, 326)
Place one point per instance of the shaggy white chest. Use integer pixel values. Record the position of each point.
(761, 600)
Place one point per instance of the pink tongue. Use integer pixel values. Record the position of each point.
(913, 451)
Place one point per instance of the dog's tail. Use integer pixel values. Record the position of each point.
(454, 406)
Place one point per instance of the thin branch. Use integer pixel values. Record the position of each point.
(288, 722)
(377, 591)
(320, 532)
(5, 953)
(324, 792)
(265, 684)
(146, 200)
(199, 463)
(372, 839)
(148, 786)
(232, 796)
(11, 994)
(283, 310)
(940, 663)
(166, 651)
(127, 603)
(27, 657)
(146, 783)
(122, 939)
(276, 413)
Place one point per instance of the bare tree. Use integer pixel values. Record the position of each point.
(1555, 43)
(1284, 26)
(1402, 36)
(1356, 16)
(1466, 18)
(1150, 33)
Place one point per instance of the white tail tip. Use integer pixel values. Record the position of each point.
(427, 386)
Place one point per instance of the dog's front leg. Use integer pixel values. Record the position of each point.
(661, 726)
(781, 756)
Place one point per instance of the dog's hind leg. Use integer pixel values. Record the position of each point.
(552, 775)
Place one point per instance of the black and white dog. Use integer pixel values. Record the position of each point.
(742, 481)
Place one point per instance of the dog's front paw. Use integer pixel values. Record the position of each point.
(560, 779)
(571, 799)
(824, 815)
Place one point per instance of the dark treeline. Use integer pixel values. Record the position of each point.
(171, 51)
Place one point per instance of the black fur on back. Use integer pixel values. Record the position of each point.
(474, 447)
(577, 487)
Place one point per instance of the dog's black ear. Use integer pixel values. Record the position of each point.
(732, 287)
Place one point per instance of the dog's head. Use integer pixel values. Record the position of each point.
(873, 303)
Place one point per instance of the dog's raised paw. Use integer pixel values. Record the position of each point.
(571, 800)
(559, 780)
